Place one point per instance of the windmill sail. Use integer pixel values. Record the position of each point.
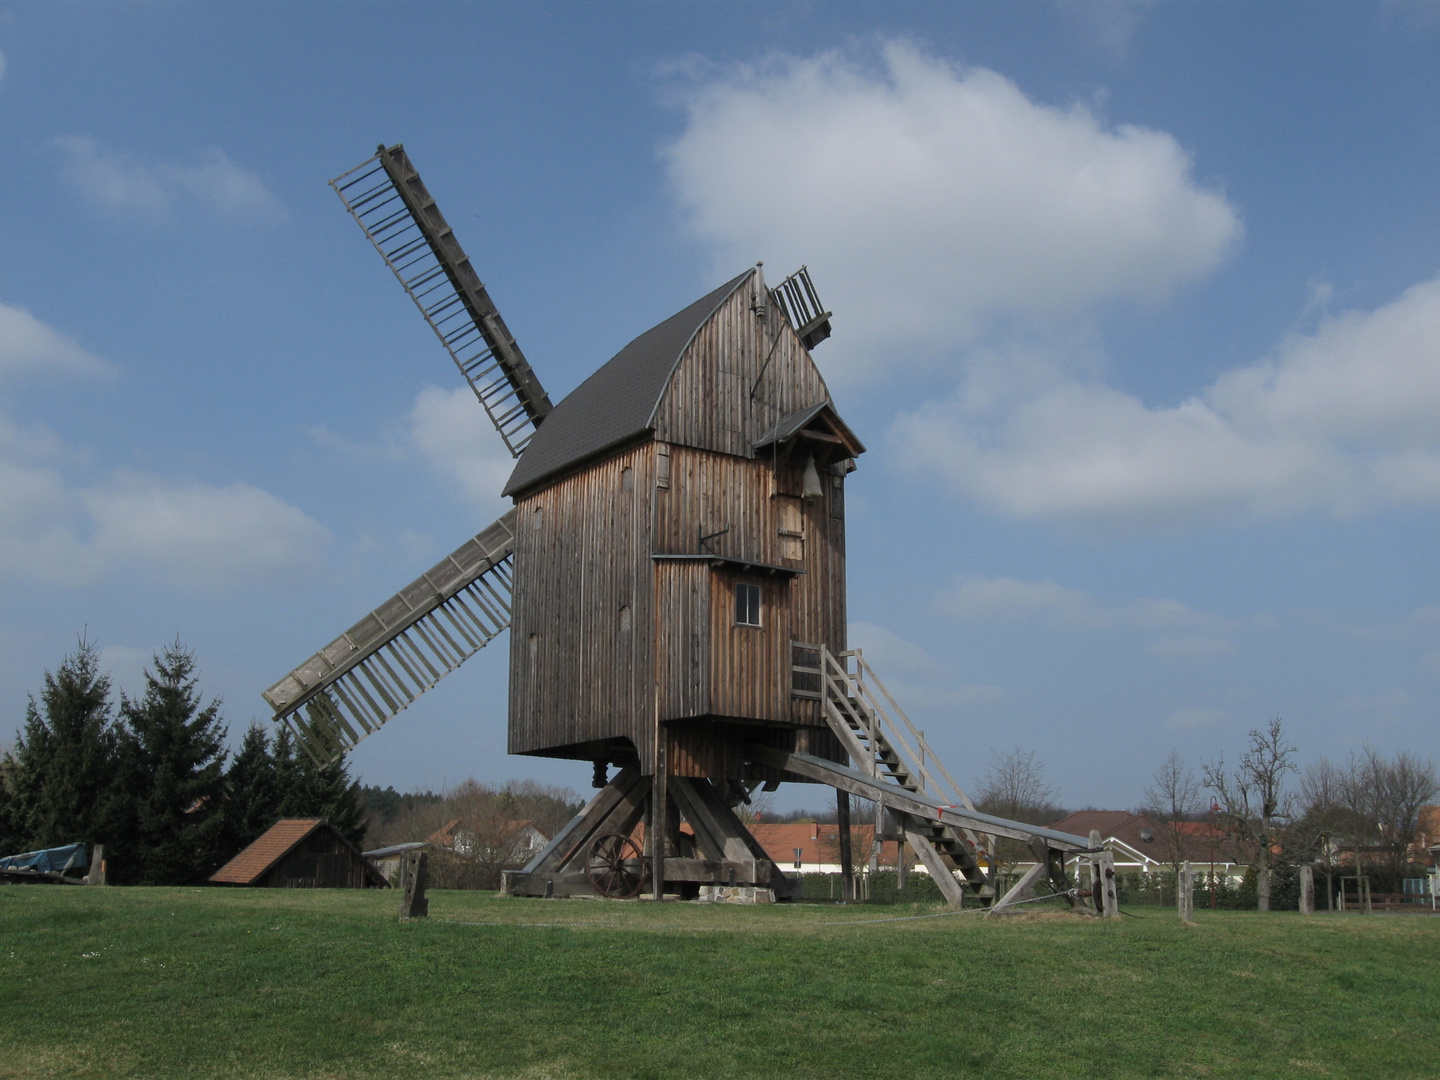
(390, 202)
(797, 298)
(401, 649)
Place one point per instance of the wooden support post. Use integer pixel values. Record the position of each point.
(847, 863)
(1102, 879)
(1109, 887)
(659, 801)
(1021, 890)
(951, 889)
(1185, 893)
(413, 904)
(900, 864)
(1307, 890)
(875, 841)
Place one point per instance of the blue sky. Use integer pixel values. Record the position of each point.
(1137, 306)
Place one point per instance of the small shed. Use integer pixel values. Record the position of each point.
(301, 853)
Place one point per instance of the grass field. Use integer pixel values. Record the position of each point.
(275, 983)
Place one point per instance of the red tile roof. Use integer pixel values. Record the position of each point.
(252, 863)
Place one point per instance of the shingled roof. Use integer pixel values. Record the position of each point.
(618, 402)
(274, 844)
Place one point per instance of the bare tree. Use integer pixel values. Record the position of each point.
(478, 831)
(1253, 800)
(1323, 817)
(1398, 788)
(1014, 786)
(1173, 797)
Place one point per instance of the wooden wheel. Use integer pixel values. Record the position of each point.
(615, 867)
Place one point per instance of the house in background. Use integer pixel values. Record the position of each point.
(301, 853)
(387, 859)
(1141, 844)
(516, 840)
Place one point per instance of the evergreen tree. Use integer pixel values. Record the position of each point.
(63, 772)
(12, 836)
(310, 790)
(174, 752)
(252, 798)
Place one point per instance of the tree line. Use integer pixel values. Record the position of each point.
(1360, 816)
(1357, 816)
(150, 777)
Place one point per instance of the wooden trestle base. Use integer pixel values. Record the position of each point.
(594, 855)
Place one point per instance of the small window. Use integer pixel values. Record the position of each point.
(624, 616)
(627, 479)
(747, 604)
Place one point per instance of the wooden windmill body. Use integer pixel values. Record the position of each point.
(673, 577)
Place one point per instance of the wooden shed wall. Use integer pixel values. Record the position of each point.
(581, 665)
(321, 861)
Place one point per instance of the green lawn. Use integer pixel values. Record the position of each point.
(274, 983)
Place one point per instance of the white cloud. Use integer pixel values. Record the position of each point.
(1383, 705)
(1110, 23)
(201, 536)
(1193, 719)
(1008, 598)
(887, 651)
(28, 345)
(1344, 419)
(57, 529)
(118, 180)
(451, 429)
(931, 200)
(1183, 633)
(912, 675)
(1190, 647)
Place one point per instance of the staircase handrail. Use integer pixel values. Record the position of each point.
(927, 753)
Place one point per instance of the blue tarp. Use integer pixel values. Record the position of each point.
(55, 859)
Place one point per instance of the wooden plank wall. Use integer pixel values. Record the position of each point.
(581, 665)
(582, 668)
(682, 634)
(709, 491)
(708, 404)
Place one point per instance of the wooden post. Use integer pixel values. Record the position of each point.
(1307, 890)
(1109, 891)
(659, 800)
(1185, 893)
(847, 863)
(97, 866)
(875, 841)
(1102, 879)
(413, 904)
(900, 866)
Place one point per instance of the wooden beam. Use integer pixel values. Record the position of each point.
(847, 862)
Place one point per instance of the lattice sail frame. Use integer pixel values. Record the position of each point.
(391, 204)
(379, 666)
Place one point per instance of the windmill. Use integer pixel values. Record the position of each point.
(672, 575)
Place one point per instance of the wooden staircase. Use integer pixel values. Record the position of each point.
(892, 764)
